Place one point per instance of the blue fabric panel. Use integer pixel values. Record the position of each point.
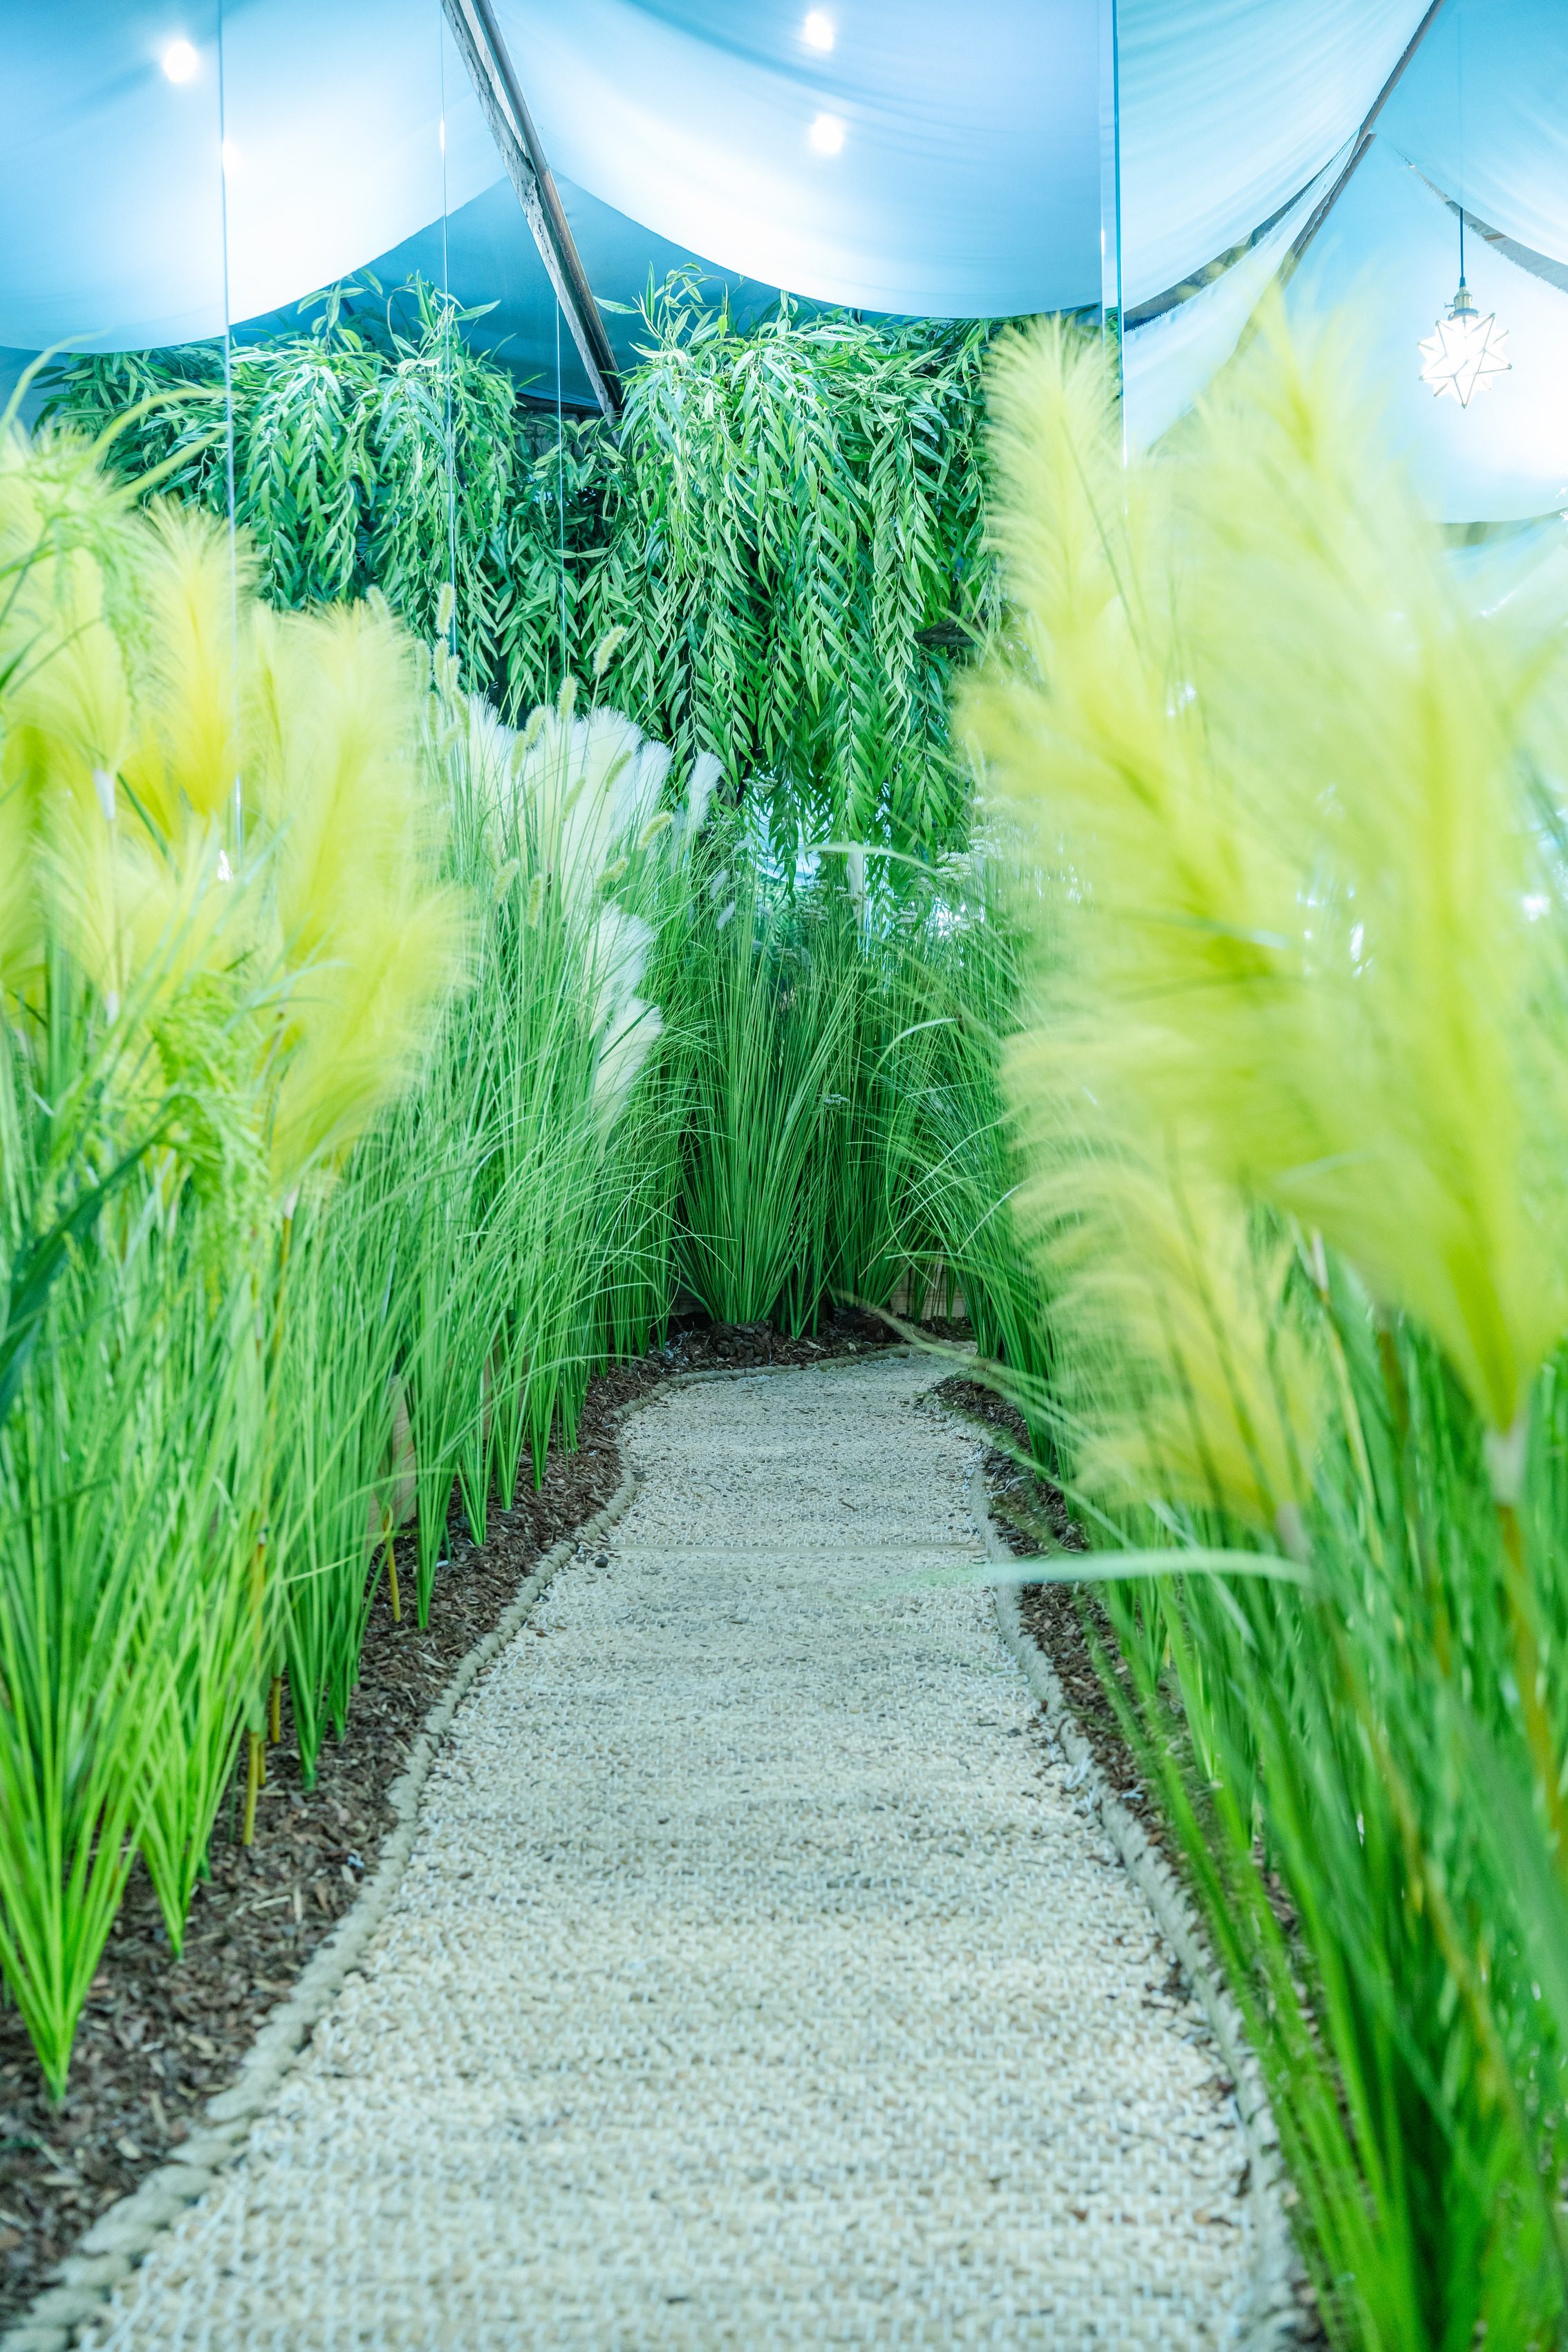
(967, 183)
(1228, 108)
(1386, 262)
(111, 195)
(1483, 113)
(1169, 363)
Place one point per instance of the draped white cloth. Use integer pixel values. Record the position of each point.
(1384, 264)
(112, 203)
(932, 160)
(1228, 108)
(898, 155)
(1168, 363)
(1483, 113)
(967, 183)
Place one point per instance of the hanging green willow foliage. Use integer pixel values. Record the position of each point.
(341, 434)
(787, 527)
(789, 535)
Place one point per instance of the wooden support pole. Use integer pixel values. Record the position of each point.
(1327, 202)
(490, 69)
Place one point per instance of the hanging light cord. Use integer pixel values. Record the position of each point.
(229, 415)
(1460, 71)
(560, 491)
(446, 339)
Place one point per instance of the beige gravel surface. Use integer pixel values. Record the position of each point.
(758, 1978)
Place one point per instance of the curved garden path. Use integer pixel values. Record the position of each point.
(756, 1978)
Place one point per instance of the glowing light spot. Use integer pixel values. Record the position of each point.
(230, 153)
(817, 32)
(827, 135)
(1464, 352)
(180, 61)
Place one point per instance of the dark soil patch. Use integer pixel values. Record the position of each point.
(158, 2037)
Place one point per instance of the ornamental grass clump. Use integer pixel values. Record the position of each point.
(1296, 1097)
(233, 945)
(538, 1149)
(769, 1005)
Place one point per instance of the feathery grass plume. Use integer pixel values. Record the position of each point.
(691, 815)
(591, 784)
(372, 938)
(185, 741)
(1428, 1063)
(197, 591)
(1199, 1387)
(1304, 944)
(67, 706)
(122, 751)
(63, 677)
(1283, 766)
(625, 1026)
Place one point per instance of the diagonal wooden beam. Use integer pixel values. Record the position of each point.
(490, 69)
(1331, 197)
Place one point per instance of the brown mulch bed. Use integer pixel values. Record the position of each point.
(160, 2037)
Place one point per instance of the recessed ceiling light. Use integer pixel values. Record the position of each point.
(180, 61)
(817, 32)
(827, 135)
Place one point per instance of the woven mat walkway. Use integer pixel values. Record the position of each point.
(754, 1980)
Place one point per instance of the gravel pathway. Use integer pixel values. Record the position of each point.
(756, 1979)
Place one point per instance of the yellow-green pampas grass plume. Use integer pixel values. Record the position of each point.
(196, 589)
(1180, 1352)
(219, 811)
(1418, 1111)
(1305, 918)
(371, 937)
(121, 642)
(64, 700)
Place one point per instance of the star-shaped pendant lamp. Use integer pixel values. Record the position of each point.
(1466, 350)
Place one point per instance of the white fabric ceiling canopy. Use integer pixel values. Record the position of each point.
(1228, 108)
(1479, 115)
(898, 155)
(935, 160)
(1168, 363)
(1483, 113)
(930, 161)
(1384, 264)
(111, 201)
